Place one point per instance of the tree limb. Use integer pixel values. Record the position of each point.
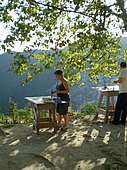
(121, 4)
(58, 8)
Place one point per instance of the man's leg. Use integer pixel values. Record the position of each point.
(124, 112)
(118, 109)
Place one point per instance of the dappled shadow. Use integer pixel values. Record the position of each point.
(85, 145)
(111, 143)
(21, 147)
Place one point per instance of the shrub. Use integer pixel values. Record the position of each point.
(89, 108)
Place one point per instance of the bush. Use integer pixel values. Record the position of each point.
(25, 115)
(16, 115)
(89, 108)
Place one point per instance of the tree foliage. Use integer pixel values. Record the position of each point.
(81, 34)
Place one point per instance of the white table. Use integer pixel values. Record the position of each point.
(110, 92)
(38, 104)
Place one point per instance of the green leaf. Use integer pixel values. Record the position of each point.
(77, 32)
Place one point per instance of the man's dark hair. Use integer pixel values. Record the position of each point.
(58, 72)
(123, 64)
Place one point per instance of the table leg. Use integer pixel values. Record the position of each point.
(107, 108)
(54, 121)
(50, 118)
(112, 102)
(37, 131)
(34, 122)
(35, 118)
(99, 105)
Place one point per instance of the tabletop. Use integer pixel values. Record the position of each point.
(44, 100)
(108, 88)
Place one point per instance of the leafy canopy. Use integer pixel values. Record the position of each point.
(82, 36)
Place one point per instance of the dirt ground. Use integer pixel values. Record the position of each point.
(86, 145)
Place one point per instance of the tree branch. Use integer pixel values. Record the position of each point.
(107, 8)
(58, 8)
(121, 4)
(112, 5)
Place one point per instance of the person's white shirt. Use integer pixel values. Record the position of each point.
(123, 83)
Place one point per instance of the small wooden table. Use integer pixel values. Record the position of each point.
(38, 105)
(110, 92)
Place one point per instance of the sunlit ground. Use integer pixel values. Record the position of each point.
(86, 145)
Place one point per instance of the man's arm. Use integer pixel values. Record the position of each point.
(120, 80)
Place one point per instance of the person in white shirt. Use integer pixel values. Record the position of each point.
(120, 113)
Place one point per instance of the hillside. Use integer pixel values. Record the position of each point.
(10, 86)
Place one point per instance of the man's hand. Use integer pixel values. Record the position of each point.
(120, 80)
(115, 81)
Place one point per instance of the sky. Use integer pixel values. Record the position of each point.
(20, 47)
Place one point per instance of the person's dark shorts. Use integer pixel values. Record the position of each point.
(62, 109)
